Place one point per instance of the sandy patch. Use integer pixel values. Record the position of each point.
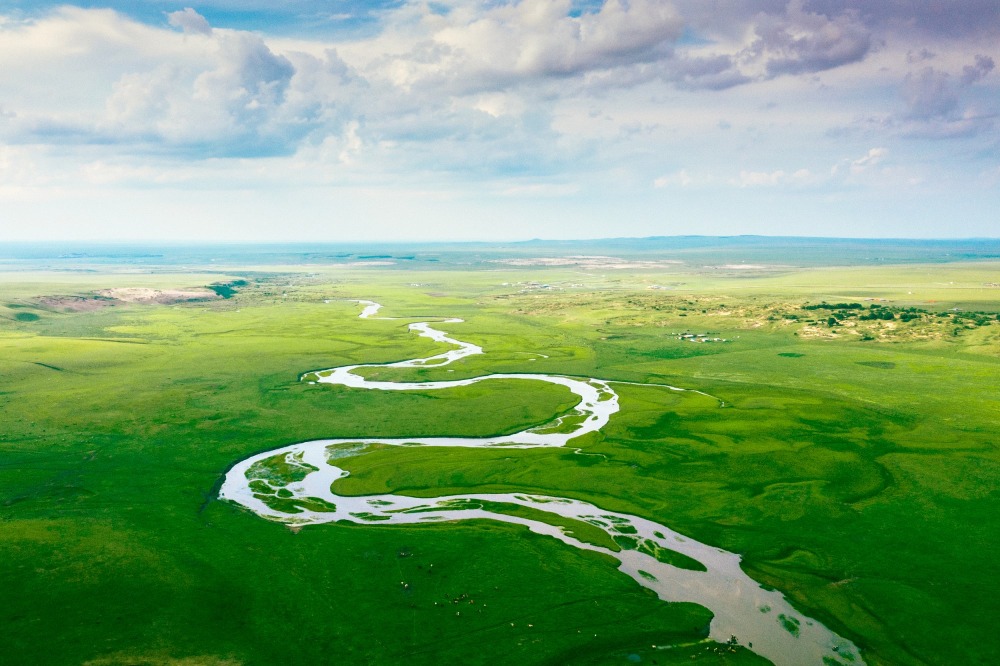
(815, 332)
(146, 295)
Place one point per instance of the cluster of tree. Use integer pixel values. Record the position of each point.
(876, 312)
(227, 289)
(834, 306)
(976, 317)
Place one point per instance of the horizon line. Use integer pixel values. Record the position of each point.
(383, 241)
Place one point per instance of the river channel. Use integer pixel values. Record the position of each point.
(296, 485)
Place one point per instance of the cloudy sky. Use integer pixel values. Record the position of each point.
(390, 119)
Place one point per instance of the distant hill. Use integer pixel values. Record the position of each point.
(692, 250)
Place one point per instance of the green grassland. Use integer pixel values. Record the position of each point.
(854, 466)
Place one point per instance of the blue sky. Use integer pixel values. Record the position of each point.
(393, 120)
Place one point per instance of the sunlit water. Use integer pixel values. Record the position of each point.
(761, 620)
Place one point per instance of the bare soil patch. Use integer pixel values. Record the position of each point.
(162, 296)
(76, 303)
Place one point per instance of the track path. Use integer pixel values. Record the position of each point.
(294, 485)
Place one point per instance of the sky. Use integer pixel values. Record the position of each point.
(329, 120)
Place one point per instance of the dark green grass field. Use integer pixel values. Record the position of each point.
(855, 468)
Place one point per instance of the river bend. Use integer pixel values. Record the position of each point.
(295, 485)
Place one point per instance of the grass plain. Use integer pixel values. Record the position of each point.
(853, 465)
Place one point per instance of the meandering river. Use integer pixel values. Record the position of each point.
(296, 485)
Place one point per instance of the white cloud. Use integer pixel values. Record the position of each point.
(352, 143)
(753, 42)
(873, 157)
(472, 48)
(499, 104)
(512, 99)
(223, 92)
(942, 104)
(800, 41)
(935, 95)
(189, 21)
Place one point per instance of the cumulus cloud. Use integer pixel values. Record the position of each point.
(524, 98)
(226, 92)
(96, 77)
(231, 99)
(799, 41)
(531, 39)
(978, 70)
(943, 101)
(935, 101)
(714, 72)
(761, 40)
(929, 93)
(472, 88)
(189, 21)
